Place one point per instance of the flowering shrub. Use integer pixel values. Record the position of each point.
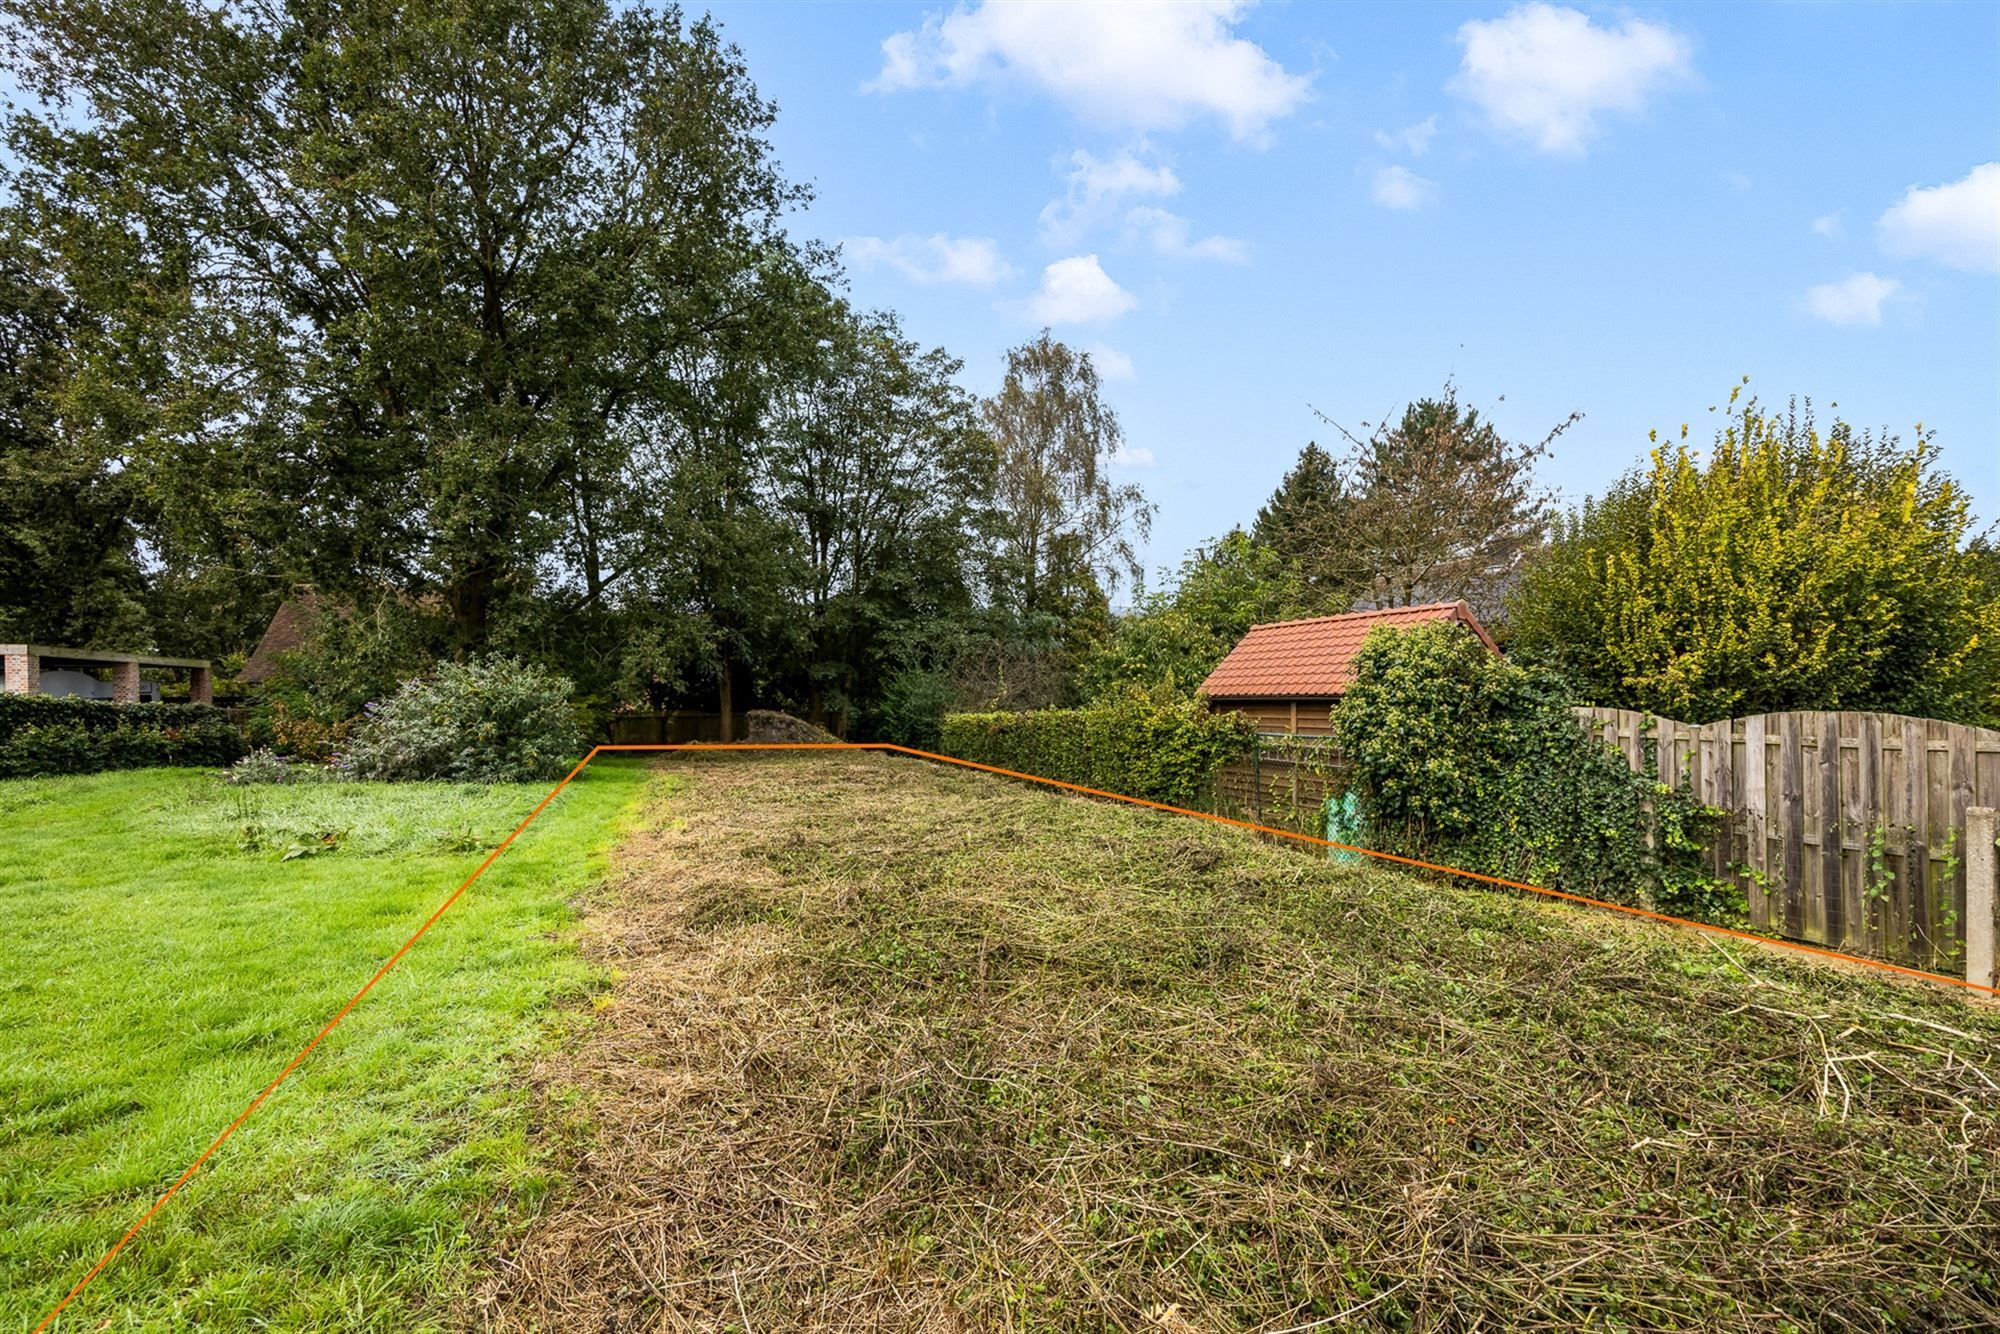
(490, 721)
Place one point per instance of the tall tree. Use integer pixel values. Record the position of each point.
(1068, 530)
(1443, 507)
(1310, 501)
(69, 512)
(715, 565)
(881, 464)
(1783, 568)
(428, 266)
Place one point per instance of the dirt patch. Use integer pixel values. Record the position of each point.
(894, 1047)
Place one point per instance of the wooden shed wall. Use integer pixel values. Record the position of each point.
(1292, 717)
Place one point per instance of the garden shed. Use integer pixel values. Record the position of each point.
(1287, 674)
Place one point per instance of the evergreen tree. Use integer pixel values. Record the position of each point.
(1305, 506)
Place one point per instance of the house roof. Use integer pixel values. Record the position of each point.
(1314, 658)
(286, 632)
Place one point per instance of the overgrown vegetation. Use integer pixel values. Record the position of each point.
(1465, 758)
(197, 935)
(43, 734)
(489, 721)
(1161, 748)
(907, 1048)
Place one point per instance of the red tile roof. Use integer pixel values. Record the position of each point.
(286, 632)
(1314, 659)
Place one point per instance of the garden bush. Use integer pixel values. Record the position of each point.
(1462, 757)
(491, 721)
(50, 734)
(1141, 745)
(913, 708)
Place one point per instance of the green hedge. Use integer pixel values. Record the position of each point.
(47, 734)
(1141, 747)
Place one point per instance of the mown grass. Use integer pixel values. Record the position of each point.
(170, 942)
(897, 1047)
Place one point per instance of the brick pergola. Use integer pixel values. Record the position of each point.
(24, 664)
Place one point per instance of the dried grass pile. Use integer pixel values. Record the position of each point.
(899, 1048)
(769, 725)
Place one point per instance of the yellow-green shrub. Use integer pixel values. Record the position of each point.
(1780, 569)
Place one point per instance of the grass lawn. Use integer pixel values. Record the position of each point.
(170, 942)
(903, 1048)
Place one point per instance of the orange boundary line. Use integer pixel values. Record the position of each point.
(494, 855)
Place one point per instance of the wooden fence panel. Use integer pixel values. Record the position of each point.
(1846, 829)
(1284, 783)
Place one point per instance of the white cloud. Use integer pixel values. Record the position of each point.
(1137, 64)
(1399, 187)
(1169, 234)
(1411, 139)
(1133, 457)
(1545, 74)
(970, 261)
(1110, 362)
(1957, 224)
(1827, 224)
(1097, 189)
(1853, 300)
(1077, 290)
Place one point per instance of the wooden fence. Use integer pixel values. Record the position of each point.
(1844, 829)
(1283, 782)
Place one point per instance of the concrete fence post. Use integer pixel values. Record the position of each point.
(1981, 891)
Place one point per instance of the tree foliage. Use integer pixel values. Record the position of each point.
(1784, 568)
(419, 270)
(69, 512)
(1173, 640)
(1310, 504)
(1438, 507)
(882, 467)
(481, 322)
(1068, 529)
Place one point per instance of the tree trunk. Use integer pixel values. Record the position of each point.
(471, 599)
(725, 692)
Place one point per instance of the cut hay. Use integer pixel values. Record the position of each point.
(894, 1047)
(768, 725)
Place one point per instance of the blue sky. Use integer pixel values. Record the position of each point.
(1255, 211)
